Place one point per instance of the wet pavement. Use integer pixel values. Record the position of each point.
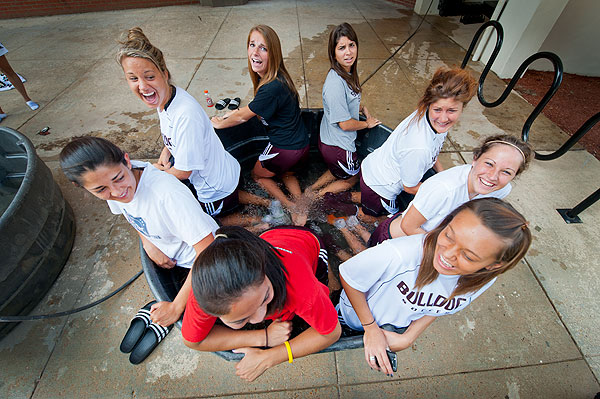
(533, 334)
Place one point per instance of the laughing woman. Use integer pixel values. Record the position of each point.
(188, 136)
(395, 290)
(496, 162)
(277, 105)
(242, 278)
(409, 153)
(170, 222)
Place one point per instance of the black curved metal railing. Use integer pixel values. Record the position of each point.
(586, 127)
(499, 40)
(569, 215)
(557, 80)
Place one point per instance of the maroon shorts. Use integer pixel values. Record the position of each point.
(225, 205)
(372, 203)
(278, 160)
(382, 232)
(341, 163)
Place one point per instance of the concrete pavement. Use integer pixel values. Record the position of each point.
(533, 334)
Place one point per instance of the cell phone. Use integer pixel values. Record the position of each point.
(393, 358)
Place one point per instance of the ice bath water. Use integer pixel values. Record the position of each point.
(317, 219)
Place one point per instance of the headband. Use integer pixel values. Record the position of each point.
(510, 144)
(221, 235)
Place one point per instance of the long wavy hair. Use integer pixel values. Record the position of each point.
(275, 66)
(344, 30)
(234, 262)
(498, 216)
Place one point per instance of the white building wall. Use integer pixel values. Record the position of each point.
(526, 26)
(575, 39)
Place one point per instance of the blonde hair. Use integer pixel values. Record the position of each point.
(134, 43)
(275, 67)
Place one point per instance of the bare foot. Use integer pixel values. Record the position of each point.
(299, 215)
(309, 196)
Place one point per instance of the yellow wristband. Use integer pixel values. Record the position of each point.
(289, 350)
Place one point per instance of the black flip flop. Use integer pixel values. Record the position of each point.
(152, 337)
(136, 329)
(235, 103)
(221, 104)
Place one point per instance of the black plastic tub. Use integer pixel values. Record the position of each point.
(37, 227)
(245, 143)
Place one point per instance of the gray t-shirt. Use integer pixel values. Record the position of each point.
(340, 104)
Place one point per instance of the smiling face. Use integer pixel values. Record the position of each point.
(251, 307)
(466, 246)
(345, 53)
(147, 82)
(494, 169)
(115, 182)
(258, 54)
(444, 113)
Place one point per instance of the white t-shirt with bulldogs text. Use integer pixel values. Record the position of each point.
(164, 210)
(190, 137)
(402, 160)
(386, 273)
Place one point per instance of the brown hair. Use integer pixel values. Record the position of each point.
(336, 34)
(85, 154)
(234, 262)
(455, 83)
(498, 216)
(275, 67)
(506, 139)
(134, 43)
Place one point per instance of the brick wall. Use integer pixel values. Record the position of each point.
(32, 8)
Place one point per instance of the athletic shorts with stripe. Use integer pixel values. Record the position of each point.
(225, 205)
(375, 205)
(341, 163)
(279, 161)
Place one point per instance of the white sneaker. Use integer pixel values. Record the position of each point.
(33, 105)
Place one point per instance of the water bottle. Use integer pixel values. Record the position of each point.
(209, 101)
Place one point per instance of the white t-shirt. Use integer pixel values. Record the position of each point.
(442, 193)
(164, 210)
(386, 273)
(188, 133)
(340, 104)
(402, 160)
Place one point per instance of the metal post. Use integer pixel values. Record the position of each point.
(570, 215)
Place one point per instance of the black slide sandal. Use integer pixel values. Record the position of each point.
(235, 103)
(221, 104)
(152, 337)
(136, 329)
